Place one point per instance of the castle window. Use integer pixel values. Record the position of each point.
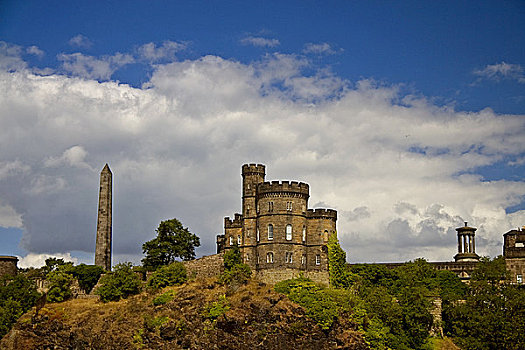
(288, 257)
(231, 240)
(258, 237)
(257, 259)
(318, 259)
(519, 279)
(289, 206)
(247, 257)
(288, 232)
(270, 206)
(304, 233)
(248, 186)
(238, 240)
(269, 258)
(248, 231)
(247, 210)
(270, 232)
(303, 259)
(325, 235)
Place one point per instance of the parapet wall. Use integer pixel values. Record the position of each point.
(321, 214)
(272, 276)
(235, 223)
(8, 265)
(249, 169)
(294, 187)
(205, 267)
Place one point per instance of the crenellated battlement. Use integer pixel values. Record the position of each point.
(235, 223)
(250, 169)
(321, 213)
(284, 187)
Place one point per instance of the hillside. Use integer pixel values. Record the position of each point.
(201, 315)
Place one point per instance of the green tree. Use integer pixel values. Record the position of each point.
(59, 286)
(339, 275)
(87, 276)
(235, 271)
(232, 257)
(120, 283)
(171, 275)
(173, 241)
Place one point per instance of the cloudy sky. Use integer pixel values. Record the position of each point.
(408, 118)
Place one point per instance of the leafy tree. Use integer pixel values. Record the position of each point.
(339, 275)
(87, 276)
(171, 275)
(52, 264)
(59, 286)
(17, 295)
(235, 271)
(120, 283)
(173, 241)
(232, 257)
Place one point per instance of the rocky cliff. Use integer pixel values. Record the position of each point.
(196, 315)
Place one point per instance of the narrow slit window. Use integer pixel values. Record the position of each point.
(288, 232)
(304, 233)
(269, 258)
(270, 232)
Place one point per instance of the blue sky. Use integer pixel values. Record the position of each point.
(417, 68)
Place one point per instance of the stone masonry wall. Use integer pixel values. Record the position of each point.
(205, 267)
(276, 275)
(8, 265)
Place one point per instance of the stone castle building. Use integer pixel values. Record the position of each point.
(514, 254)
(278, 235)
(104, 223)
(8, 265)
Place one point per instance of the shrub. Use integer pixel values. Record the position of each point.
(232, 257)
(238, 274)
(87, 275)
(120, 283)
(217, 308)
(59, 286)
(170, 275)
(164, 298)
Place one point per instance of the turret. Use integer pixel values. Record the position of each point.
(466, 244)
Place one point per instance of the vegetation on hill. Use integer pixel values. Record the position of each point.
(173, 241)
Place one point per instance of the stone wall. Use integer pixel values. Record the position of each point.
(8, 265)
(205, 267)
(272, 276)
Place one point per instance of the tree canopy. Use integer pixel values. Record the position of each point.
(173, 241)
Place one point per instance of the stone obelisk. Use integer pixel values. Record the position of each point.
(103, 248)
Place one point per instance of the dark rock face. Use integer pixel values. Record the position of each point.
(252, 317)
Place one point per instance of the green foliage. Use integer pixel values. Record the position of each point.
(324, 305)
(493, 313)
(87, 276)
(217, 308)
(151, 323)
(120, 283)
(340, 277)
(237, 275)
(232, 257)
(171, 275)
(53, 264)
(59, 286)
(172, 241)
(17, 295)
(164, 298)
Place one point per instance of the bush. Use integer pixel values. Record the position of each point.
(164, 298)
(87, 276)
(217, 308)
(170, 275)
(232, 257)
(120, 283)
(59, 286)
(238, 274)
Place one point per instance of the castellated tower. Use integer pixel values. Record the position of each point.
(103, 247)
(279, 237)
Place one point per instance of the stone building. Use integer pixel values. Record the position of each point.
(8, 265)
(514, 254)
(104, 221)
(278, 235)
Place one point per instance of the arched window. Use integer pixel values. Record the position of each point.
(231, 240)
(269, 258)
(238, 240)
(288, 232)
(304, 233)
(247, 257)
(288, 257)
(325, 235)
(270, 232)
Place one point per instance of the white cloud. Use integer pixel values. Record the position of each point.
(74, 156)
(34, 50)
(259, 41)
(153, 53)
(501, 71)
(319, 49)
(39, 260)
(80, 41)
(11, 57)
(91, 67)
(9, 217)
(401, 174)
